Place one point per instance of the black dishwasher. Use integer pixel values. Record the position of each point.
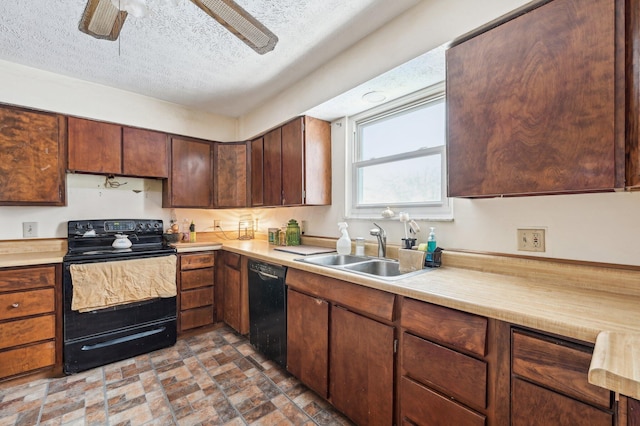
(268, 310)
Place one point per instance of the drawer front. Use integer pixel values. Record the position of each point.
(27, 278)
(21, 332)
(532, 405)
(196, 318)
(443, 325)
(196, 298)
(196, 278)
(553, 364)
(25, 303)
(421, 406)
(459, 376)
(27, 358)
(232, 260)
(195, 261)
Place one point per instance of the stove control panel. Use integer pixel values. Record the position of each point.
(88, 228)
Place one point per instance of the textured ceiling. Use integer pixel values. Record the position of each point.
(181, 55)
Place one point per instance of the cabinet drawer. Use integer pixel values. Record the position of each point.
(533, 405)
(195, 261)
(196, 318)
(196, 278)
(421, 406)
(28, 358)
(27, 278)
(459, 376)
(24, 303)
(20, 332)
(196, 298)
(232, 260)
(554, 364)
(444, 325)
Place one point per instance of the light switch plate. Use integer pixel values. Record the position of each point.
(531, 239)
(29, 229)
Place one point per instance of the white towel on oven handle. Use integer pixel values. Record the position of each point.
(104, 284)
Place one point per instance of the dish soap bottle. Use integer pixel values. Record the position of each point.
(192, 233)
(431, 244)
(344, 242)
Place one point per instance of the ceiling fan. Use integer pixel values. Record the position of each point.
(103, 19)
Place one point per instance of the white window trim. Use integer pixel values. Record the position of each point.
(441, 211)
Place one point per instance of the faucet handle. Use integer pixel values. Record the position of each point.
(380, 230)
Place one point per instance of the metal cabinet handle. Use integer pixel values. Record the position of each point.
(15, 305)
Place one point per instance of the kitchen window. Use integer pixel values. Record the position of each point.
(398, 158)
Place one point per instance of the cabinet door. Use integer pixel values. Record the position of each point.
(145, 153)
(532, 104)
(308, 340)
(257, 172)
(32, 170)
(292, 163)
(361, 368)
(232, 297)
(231, 175)
(191, 180)
(95, 147)
(317, 162)
(272, 183)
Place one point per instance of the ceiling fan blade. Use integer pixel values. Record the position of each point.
(237, 20)
(101, 19)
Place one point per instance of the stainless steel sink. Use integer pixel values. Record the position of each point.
(374, 267)
(334, 259)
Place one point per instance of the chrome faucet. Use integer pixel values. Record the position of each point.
(382, 239)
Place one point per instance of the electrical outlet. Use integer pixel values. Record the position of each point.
(29, 229)
(216, 224)
(531, 240)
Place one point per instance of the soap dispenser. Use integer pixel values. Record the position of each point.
(343, 246)
(431, 244)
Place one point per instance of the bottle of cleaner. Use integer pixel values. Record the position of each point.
(344, 242)
(431, 244)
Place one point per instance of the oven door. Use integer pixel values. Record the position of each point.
(103, 336)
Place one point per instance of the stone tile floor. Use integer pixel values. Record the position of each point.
(215, 378)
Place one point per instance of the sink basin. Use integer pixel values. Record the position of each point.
(334, 259)
(383, 268)
(374, 267)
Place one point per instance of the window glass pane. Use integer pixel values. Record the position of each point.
(420, 127)
(416, 180)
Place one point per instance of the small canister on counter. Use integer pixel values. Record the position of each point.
(359, 246)
(273, 235)
(293, 233)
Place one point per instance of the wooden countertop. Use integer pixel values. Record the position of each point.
(576, 301)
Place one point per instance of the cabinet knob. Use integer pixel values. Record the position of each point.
(15, 305)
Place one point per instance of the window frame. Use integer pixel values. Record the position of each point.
(441, 210)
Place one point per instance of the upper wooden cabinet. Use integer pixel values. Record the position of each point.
(105, 148)
(257, 172)
(296, 164)
(231, 162)
(536, 104)
(190, 182)
(32, 170)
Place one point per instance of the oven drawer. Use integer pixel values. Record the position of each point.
(25, 303)
(21, 332)
(196, 278)
(27, 278)
(27, 358)
(196, 261)
(196, 298)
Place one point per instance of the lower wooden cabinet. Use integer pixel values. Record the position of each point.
(340, 343)
(234, 292)
(29, 321)
(196, 290)
(549, 383)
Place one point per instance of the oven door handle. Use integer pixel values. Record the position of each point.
(123, 339)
